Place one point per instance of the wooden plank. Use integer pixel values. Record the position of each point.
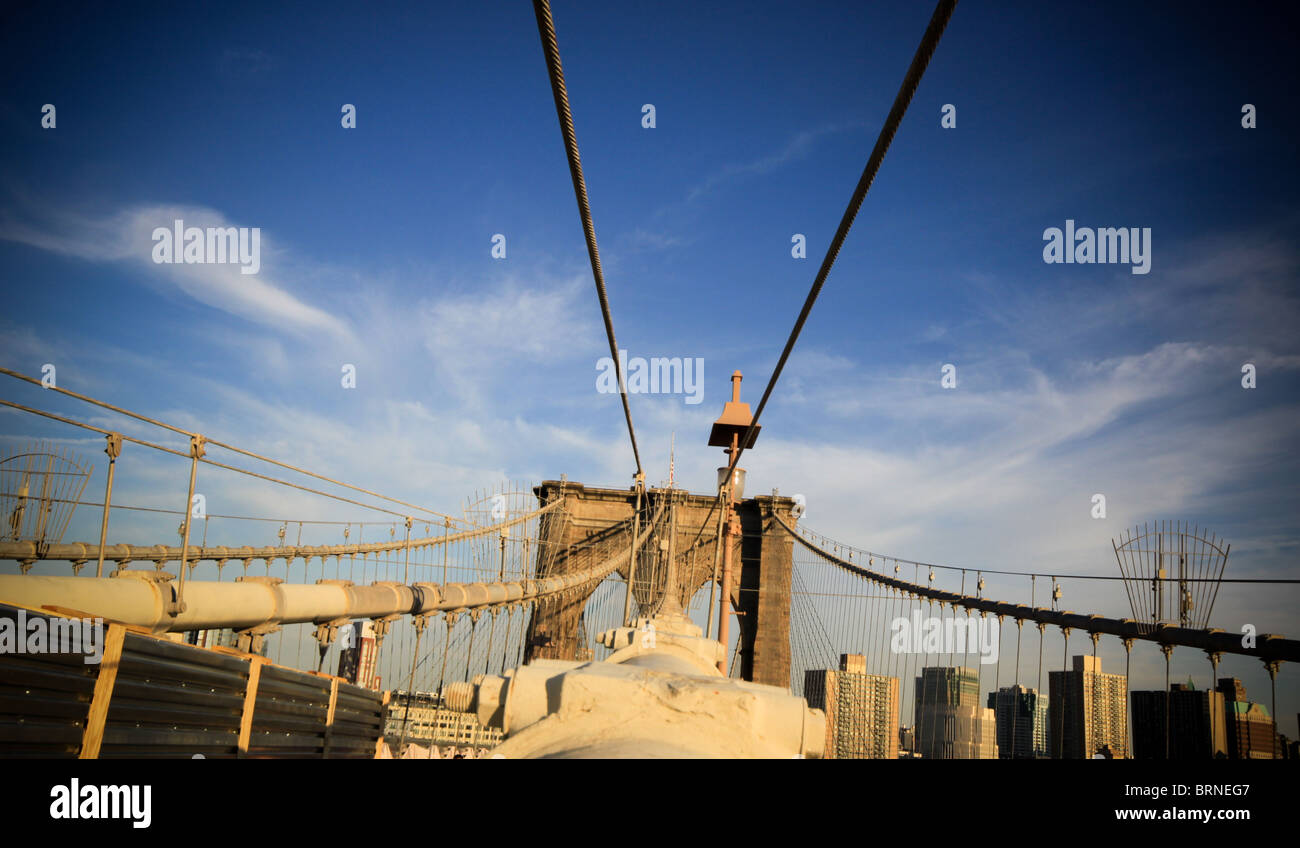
(93, 736)
(250, 702)
(229, 651)
(329, 717)
(65, 612)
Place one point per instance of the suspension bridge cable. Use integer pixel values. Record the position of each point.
(546, 29)
(207, 461)
(943, 11)
(911, 80)
(208, 441)
(162, 510)
(806, 533)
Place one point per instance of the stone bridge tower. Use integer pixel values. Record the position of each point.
(760, 592)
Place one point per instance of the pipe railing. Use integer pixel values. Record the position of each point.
(149, 599)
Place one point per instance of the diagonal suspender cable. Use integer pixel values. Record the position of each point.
(929, 42)
(546, 28)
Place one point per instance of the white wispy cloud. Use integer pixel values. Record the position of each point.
(513, 328)
(460, 388)
(796, 148)
(277, 296)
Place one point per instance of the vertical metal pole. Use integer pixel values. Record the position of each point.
(1272, 666)
(713, 582)
(43, 509)
(724, 619)
(672, 543)
(1128, 698)
(196, 451)
(114, 450)
(446, 528)
(631, 565)
(406, 577)
(1167, 650)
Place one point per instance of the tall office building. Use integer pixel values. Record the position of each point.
(1087, 711)
(1196, 729)
(906, 742)
(861, 710)
(950, 723)
(1251, 732)
(1021, 715)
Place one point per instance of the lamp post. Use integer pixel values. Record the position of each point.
(726, 433)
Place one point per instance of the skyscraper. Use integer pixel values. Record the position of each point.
(861, 710)
(1195, 729)
(950, 723)
(1021, 715)
(1251, 732)
(1087, 711)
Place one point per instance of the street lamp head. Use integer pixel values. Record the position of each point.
(734, 421)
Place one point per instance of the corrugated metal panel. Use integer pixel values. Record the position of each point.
(290, 713)
(44, 699)
(174, 700)
(359, 716)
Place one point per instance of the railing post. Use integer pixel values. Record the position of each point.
(114, 450)
(406, 577)
(501, 572)
(196, 452)
(446, 529)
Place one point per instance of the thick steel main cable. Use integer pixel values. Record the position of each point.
(924, 52)
(546, 28)
(929, 41)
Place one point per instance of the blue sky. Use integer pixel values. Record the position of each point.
(1072, 379)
